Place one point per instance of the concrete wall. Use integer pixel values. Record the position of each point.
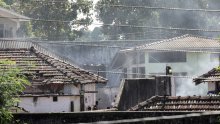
(162, 117)
(134, 91)
(45, 104)
(89, 98)
(106, 96)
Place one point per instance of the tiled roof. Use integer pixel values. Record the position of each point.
(184, 42)
(42, 69)
(189, 103)
(211, 76)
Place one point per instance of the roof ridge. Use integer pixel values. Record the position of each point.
(199, 36)
(162, 41)
(11, 11)
(168, 40)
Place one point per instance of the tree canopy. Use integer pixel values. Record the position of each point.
(54, 20)
(12, 83)
(122, 16)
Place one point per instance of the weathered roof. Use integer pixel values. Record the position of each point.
(12, 15)
(42, 69)
(211, 76)
(184, 42)
(188, 103)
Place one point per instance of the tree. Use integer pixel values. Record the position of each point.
(55, 20)
(4, 5)
(122, 16)
(12, 83)
(134, 13)
(95, 35)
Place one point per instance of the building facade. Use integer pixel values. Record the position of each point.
(56, 85)
(187, 55)
(10, 23)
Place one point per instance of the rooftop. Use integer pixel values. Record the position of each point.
(44, 70)
(211, 76)
(12, 15)
(185, 42)
(187, 103)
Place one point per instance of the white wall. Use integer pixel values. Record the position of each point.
(45, 104)
(89, 98)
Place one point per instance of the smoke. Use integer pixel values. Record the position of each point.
(186, 86)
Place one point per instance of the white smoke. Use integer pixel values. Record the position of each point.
(186, 85)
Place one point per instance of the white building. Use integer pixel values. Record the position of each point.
(187, 56)
(10, 23)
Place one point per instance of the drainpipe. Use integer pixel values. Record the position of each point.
(82, 92)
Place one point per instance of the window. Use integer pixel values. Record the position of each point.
(163, 57)
(55, 99)
(125, 71)
(134, 72)
(1, 30)
(141, 72)
(8, 33)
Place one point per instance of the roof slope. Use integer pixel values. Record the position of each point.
(42, 69)
(12, 15)
(211, 76)
(189, 103)
(184, 42)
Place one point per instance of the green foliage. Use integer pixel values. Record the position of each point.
(217, 68)
(143, 17)
(122, 16)
(95, 35)
(25, 30)
(12, 83)
(4, 5)
(67, 12)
